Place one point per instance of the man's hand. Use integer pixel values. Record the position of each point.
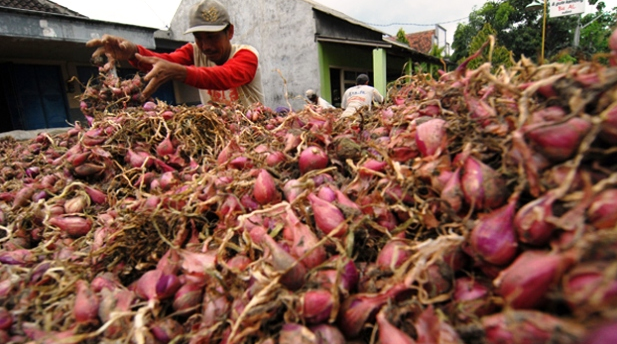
(162, 71)
(115, 48)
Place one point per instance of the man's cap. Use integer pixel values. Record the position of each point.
(208, 16)
(310, 94)
(361, 79)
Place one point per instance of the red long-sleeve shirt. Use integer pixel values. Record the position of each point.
(239, 70)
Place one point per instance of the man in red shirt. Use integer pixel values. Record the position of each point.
(223, 72)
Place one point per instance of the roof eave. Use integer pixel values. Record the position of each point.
(343, 16)
(71, 17)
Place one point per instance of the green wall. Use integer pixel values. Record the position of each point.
(341, 56)
(357, 57)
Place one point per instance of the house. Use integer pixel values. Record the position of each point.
(302, 45)
(423, 41)
(43, 48)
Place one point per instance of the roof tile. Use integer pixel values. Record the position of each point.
(421, 41)
(39, 6)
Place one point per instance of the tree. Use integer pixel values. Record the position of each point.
(499, 55)
(401, 36)
(437, 52)
(520, 31)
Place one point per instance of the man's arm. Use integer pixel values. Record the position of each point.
(377, 96)
(237, 71)
(183, 56)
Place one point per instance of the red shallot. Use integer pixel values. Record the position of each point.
(493, 237)
(525, 282)
(390, 334)
(312, 158)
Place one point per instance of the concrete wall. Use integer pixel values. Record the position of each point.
(283, 31)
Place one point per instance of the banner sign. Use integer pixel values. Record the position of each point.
(559, 8)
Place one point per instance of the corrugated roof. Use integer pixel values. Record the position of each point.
(39, 6)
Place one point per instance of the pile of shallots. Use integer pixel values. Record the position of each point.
(477, 208)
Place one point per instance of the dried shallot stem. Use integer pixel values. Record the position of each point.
(262, 296)
(523, 103)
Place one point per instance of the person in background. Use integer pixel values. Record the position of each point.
(360, 95)
(223, 72)
(315, 99)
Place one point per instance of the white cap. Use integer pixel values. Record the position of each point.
(208, 16)
(310, 94)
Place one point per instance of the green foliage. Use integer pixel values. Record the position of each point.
(564, 57)
(400, 36)
(520, 31)
(437, 51)
(500, 54)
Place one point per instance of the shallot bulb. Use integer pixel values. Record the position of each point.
(390, 334)
(326, 193)
(520, 326)
(228, 152)
(341, 270)
(215, 306)
(146, 284)
(452, 193)
(281, 260)
(75, 204)
(167, 285)
(23, 197)
(165, 147)
(558, 142)
(374, 166)
(609, 126)
(602, 213)
(493, 237)
(316, 306)
(328, 334)
(304, 241)
(187, 298)
(393, 255)
(74, 226)
(149, 106)
(274, 158)
(312, 158)
(17, 257)
(138, 159)
(482, 186)
(296, 333)
(292, 189)
(265, 190)
(346, 204)
(86, 303)
(357, 309)
(327, 216)
(604, 334)
(165, 330)
(433, 329)
(531, 222)
(524, 283)
(591, 287)
(97, 196)
(6, 319)
(431, 137)
(471, 298)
